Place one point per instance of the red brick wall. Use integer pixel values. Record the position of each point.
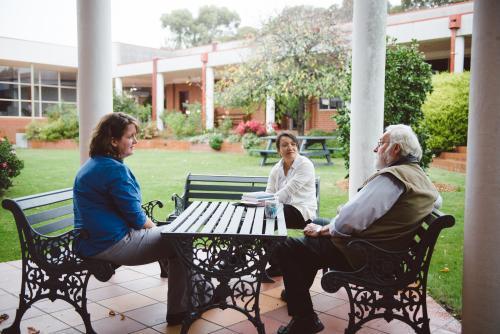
(10, 125)
(172, 94)
(320, 119)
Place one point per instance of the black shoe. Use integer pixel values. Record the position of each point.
(283, 295)
(273, 271)
(302, 325)
(264, 278)
(176, 318)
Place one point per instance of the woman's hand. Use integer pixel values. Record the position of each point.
(149, 224)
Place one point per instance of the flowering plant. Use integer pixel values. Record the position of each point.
(254, 127)
(10, 164)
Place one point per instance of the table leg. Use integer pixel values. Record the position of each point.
(327, 156)
(224, 273)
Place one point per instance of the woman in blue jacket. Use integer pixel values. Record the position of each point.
(107, 205)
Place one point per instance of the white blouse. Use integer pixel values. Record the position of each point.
(297, 188)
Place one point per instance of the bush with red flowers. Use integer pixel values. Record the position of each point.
(10, 164)
(254, 127)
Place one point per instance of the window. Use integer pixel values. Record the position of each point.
(20, 97)
(330, 103)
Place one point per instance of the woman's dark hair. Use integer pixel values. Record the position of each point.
(111, 126)
(286, 134)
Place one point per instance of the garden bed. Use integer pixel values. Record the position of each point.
(155, 143)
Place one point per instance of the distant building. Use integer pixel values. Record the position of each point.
(35, 75)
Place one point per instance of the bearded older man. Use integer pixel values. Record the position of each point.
(389, 205)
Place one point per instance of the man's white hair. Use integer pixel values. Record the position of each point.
(407, 139)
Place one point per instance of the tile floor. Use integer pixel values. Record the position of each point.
(139, 294)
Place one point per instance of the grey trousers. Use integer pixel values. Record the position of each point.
(147, 246)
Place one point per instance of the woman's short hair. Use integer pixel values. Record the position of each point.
(286, 134)
(404, 136)
(111, 126)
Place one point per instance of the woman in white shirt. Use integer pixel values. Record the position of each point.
(292, 180)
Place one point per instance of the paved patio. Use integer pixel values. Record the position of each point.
(138, 297)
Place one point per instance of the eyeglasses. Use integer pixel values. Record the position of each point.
(380, 143)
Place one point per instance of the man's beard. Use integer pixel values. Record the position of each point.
(383, 160)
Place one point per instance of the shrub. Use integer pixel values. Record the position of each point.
(127, 105)
(446, 111)
(234, 138)
(250, 140)
(254, 127)
(182, 125)
(10, 165)
(407, 82)
(62, 123)
(216, 141)
(226, 125)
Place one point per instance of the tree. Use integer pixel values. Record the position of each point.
(418, 4)
(408, 80)
(211, 24)
(300, 54)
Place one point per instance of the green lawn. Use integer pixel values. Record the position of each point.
(162, 173)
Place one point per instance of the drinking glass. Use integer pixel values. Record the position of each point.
(271, 209)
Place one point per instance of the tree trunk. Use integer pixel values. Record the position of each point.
(300, 115)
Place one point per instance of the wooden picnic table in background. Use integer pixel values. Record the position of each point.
(305, 149)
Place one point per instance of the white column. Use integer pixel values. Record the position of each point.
(270, 113)
(459, 54)
(209, 98)
(118, 86)
(160, 99)
(481, 285)
(367, 90)
(95, 87)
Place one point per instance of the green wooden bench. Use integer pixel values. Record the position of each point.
(221, 187)
(391, 284)
(50, 267)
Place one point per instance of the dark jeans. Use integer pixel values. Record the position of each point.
(300, 259)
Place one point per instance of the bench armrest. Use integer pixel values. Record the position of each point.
(149, 209)
(382, 268)
(179, 204)
(52, 252)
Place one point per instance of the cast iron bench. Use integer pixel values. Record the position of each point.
(220, 187)
(391, 284)
(50, 267)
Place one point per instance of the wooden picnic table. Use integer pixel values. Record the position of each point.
(305, 149)
(225, 248)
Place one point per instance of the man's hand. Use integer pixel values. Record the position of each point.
(313, 230)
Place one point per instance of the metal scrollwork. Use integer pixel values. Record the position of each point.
(224, 273)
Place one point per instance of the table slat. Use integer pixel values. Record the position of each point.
(182, 217)
(186, 224)
(246, 228)
(269, 226)
(224, 221)
(258, 221)
(281, 223)
(200, 221)
(235, 220)
(209, 226)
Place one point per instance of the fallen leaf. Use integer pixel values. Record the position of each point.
(122, 316)
(33, 330)
(3, 317)
(445, 270)
(112, 313)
